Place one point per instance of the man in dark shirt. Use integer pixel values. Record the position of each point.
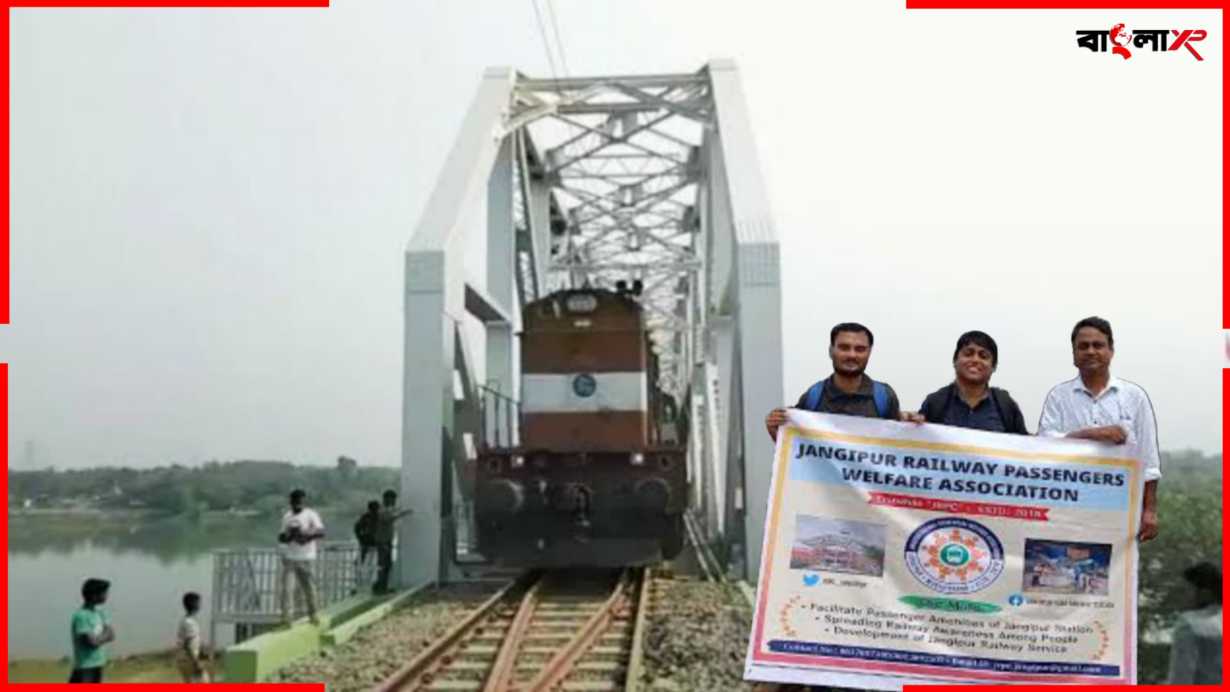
(385, 531)
(848, 390)
(970, 401)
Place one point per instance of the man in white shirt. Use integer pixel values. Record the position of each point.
(301, 529)
(1096, 406)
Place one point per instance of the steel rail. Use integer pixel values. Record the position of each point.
(422, 663)
(445, 658)
(560, 665)
(500, 677)
(632, 682)
(708, 563)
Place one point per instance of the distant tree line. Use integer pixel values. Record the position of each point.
(237, 485)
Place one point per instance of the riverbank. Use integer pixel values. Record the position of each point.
(151, 561)
(92, 513)
(80, 511)
(156, 666)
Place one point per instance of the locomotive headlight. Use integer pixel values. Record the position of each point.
(517, 461)
(638, 459)
(581, 302)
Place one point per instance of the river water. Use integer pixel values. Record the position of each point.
(150, 563)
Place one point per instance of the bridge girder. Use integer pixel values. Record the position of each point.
(587, 182)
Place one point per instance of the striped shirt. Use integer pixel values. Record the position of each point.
(1070, 406)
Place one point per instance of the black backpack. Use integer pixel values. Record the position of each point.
(879, 394)
(999, 399)
(365, 529)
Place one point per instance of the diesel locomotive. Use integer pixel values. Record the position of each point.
(598, 477)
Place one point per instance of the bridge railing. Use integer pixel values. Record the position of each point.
(500, 419)
(247, 582)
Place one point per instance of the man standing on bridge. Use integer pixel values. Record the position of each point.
(301, 529)
(970, 401)
(1096, 406)
(389, 515)
(848, 390)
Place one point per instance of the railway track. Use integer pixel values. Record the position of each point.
(572, 631)
(709, 566)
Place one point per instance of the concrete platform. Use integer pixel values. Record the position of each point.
(256, 659)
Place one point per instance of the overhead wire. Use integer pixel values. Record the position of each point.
(559, 43)
(546, 44)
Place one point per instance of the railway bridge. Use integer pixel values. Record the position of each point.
(598, 182)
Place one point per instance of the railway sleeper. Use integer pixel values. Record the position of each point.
(592, 686)
(569, 625)
(616, 654)
(601, 650)
(557, 615)
(559, 640)
(482, 650)
(582, 667)
(563, 631)
(454, 686)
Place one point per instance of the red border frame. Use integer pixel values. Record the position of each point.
(910, 5)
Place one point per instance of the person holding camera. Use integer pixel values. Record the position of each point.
(301, 529)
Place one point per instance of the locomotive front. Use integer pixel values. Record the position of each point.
(599, 476)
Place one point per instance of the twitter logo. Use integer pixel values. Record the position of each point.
(811, 579)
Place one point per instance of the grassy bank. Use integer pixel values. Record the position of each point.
(157, 666)
(151, 667)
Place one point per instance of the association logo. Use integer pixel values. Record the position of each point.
(954, 555)
(1123, 42)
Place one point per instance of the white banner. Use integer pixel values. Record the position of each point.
(897, 553)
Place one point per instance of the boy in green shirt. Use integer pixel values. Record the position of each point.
(89, 631)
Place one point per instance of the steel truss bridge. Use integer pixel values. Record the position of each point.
(568, 183)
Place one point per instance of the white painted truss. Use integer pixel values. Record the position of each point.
(649, 183)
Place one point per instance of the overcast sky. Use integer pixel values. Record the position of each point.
(210, 206)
